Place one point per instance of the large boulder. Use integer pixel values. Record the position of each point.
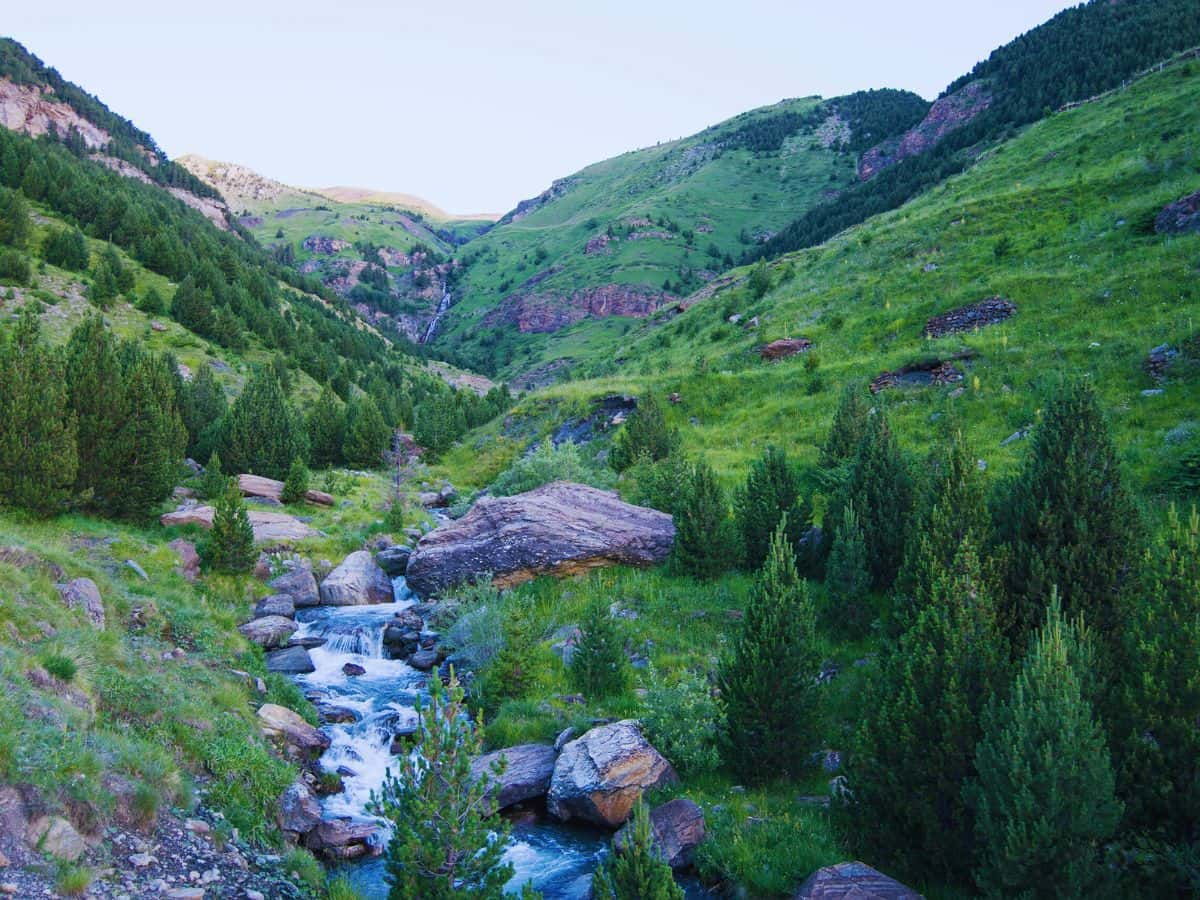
(276, 605)
(269, 632)
(560, 528)
(299, 811)
(82, 594)
(599, 777)
(677, 827)
(340, 839)
(357, 581)
(189, 558)
(394, 559)
(270, 489)
(268, 527)
(300, 585)
(526, 775)
(853, 881)
(290, 661)
(300, 740)
(56, 836)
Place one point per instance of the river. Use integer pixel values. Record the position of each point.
(559, 859)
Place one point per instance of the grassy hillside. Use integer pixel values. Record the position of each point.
(660, 221)
(1058, 220)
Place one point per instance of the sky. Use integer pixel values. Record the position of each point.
(476, 105)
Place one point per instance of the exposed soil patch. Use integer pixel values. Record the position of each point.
(967, 318)
(784, 347)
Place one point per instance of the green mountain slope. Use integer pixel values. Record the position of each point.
(627, 236)
(390, 259)
(1060, 221)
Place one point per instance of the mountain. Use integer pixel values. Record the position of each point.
(388, 255)
(343, 194)
(627, 236)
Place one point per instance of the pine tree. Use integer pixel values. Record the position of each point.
(1044, 799)
(326, 428)
(645, 434)
(444, 844)
(296, 484)
(767, 680)
(704, 538)
(952, 508)
(1158, 742)
(38, 459)
(921, 726)
(772, 491)
(847, 573)
(438, 422)
(261, 433)
(849, 426)
(1067, 520)
(367, 435)
(636, 871)
(599, 667)
(14, 219)
(192, 308)
(879, 487)
(213, 481)
(202, 408)
(230, 544)
(67, 249)
(96, 389)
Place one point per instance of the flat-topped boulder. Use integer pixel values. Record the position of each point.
(561, 528)
(269, 488)
(526, 775)
(290, 661)
(357, 581)
(853, 881)
(677, 828)
(269, 527)
(599, 777)
(300, 740)
(300, 585)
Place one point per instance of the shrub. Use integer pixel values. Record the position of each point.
(14, 267)
(659, 485)
(646, 433)
(296, 485)
(681, 722)
(599, 667)
(637, 871)
(230, 545)
(549, 463)
(72, 880)
(60, 666)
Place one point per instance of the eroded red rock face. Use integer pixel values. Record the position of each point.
(540, 313)
(946, 115)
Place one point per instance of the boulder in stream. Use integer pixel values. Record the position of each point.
(300, 585)
(299, 811)
(600, 776)
(290, 661)
(561, 528)
(269, 631)
(357, 581)
(525, 777)
(300, 740)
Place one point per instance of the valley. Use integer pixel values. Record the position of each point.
(802, 508)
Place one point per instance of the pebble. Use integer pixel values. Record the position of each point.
(255, 895)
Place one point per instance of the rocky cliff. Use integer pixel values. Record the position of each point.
(545, 312)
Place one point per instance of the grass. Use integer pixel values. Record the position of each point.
(72, 880)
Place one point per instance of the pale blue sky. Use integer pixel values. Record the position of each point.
(476, 105)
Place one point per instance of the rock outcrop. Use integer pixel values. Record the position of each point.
(853, 880)
(82, 594)
(342, 839)
(947, 114)
(189, 558)
(526, 775)
(394, 559)
(677, 827)
(258, 486)
(319, 243)
(784, 347)
(921, 374)
(56, 836)
(356, 582)
(541, 313)
(1180, 217)
(299, 811)
(30, 109)
(560, 528)
(600, 776)
(968, 318)
(269, 632)
(269, 527)
(299, 739)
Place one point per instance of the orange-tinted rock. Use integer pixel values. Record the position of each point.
(784, 347)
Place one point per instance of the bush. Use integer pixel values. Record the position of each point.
(14, 267)
(549, 463)
(60, 666)
(681, 722)
(296, 485)
(637, 871)
(599, 667)
(72, 880)
(646, 433)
